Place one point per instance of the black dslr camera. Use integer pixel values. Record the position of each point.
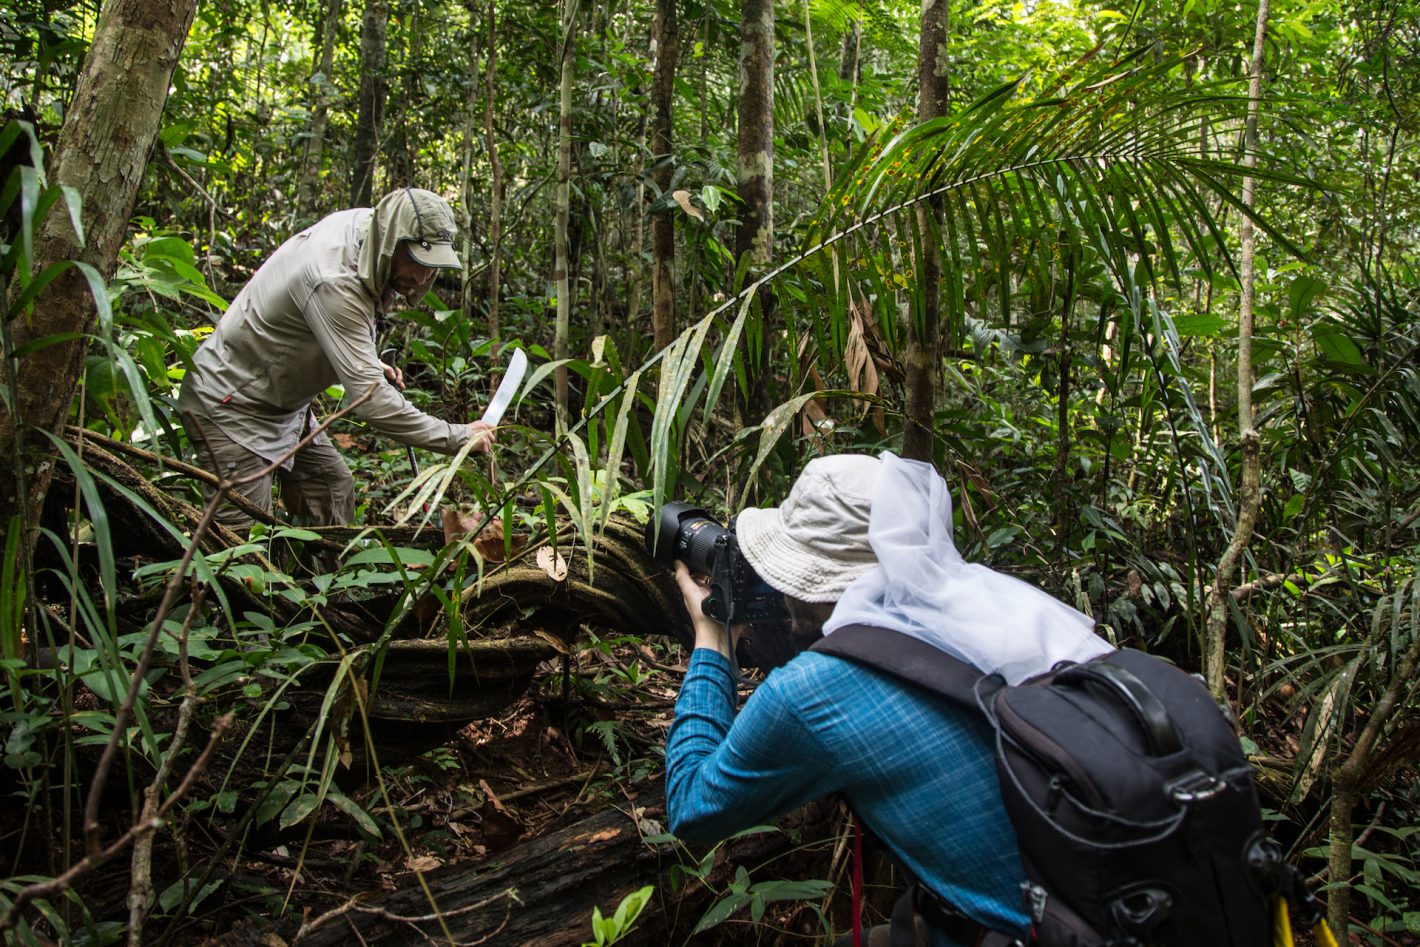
(737, 593)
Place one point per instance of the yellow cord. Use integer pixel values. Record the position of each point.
(1322, 934)
(1281, 923)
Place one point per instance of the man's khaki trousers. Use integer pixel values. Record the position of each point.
(317, 489)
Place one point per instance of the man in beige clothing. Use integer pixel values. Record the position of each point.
(307, 321)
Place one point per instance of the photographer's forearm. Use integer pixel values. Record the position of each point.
(712, 635)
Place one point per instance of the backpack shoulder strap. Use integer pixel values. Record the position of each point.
(905, 658)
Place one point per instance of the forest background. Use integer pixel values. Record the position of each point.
(1139, 280)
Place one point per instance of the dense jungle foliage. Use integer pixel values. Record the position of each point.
(1037, 244)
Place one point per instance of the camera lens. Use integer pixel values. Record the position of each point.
(687, 533)
(697, 545)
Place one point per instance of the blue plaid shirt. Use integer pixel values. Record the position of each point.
(917, 769)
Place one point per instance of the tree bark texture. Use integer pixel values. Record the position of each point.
(559, 878)
(756, 132)
(922, 360)
(403, 170)
(1250, 492)
(321, 86)
(471, 114)
(848, 74)
(495, 186)
(666, 36)
(561, 267)
(754, 241)
(372, 101)
(1347, 784)
(102, 152)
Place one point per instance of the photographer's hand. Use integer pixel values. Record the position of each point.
(709, 633)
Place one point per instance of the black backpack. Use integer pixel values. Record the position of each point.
(1135, 809)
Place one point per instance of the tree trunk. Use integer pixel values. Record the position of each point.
(755, 182)
(848, 71)
(1250, 493)
(818, 109)
(561, 267)
(665, 35)
(102, 152)
(495, 184)
(465, 211)
(402, 170)
(1346, 788)
(372, 102)
(921, 357)
(321, 86)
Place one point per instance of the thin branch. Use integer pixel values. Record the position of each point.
(511, 894)
(170, 593)
(54, 886)
(237, 499)
(140, 889)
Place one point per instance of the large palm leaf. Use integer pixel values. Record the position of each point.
(1110, 166)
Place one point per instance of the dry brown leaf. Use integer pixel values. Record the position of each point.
(422, 862)
(557, 643)
(551, 562)
(346, 441)
(457, 523)
(500, 829)
(855, 352)
(682, 197)
(490, 542)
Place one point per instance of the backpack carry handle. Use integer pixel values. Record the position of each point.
(1159, 733)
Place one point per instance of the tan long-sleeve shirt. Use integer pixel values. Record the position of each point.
(304, 322)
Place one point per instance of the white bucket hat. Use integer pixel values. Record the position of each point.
(815, 544)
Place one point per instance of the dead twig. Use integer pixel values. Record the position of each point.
(510, 894)
(170, 593)
(140, 891)
(93, 860)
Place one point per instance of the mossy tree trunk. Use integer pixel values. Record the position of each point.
(755, 184)
(922, 359)
(666, 37)
(373, 39)
(103, 149)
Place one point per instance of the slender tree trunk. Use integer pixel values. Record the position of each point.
(756, 131)
(665, 34)
(921, 357)
(1062, 424)
(1346, 785)
(320, 114)
(755, 239)
(495, 183)
(372, 102)
(561, 267)
(1250, 494)
(402, 168)
(102, 151)
(818, 105)
(637, 240)
(848, 72)
(470, 132)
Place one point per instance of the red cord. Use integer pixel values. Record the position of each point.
(857, 883)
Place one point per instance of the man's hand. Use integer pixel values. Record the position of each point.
(483, 436)
(394, 375)
(709, 633)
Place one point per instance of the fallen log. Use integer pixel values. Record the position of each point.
(542, 891)
(420, 689)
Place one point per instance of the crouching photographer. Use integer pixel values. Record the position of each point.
(863, 541)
